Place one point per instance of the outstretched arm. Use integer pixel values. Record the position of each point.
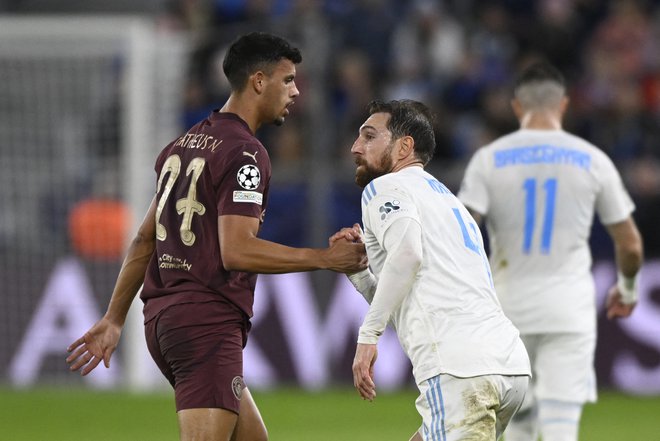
(629, 254)
(100, 341)
(242, 250)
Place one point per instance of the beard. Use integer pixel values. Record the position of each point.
(365, 173)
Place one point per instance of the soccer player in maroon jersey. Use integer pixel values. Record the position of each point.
(197, 251)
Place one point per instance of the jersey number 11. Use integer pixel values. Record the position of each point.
(550, 187)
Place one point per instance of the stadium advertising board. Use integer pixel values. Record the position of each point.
(294, 342)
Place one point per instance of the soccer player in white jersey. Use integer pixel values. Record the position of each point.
(538, 189)
(431, 280)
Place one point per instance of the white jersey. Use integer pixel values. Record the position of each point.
(451, 322)
(538, 190)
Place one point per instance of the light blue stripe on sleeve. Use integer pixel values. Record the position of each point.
(368, 193)
(365, 201)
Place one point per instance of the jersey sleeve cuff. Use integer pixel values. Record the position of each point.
(367, 337)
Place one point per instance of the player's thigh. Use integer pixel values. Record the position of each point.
(250, 425)
(205, 424)
(564, 367)
(455, 409)
(153, 345)
(513, 390)
(202, 345)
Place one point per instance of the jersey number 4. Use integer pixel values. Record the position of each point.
(550, 187)
(187, 206)
(473, 244)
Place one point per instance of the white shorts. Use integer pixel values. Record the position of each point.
(477, 408)
(562, 366)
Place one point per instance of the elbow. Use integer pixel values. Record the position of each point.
(415, 257)
(230, 262)
(143, 241)
(233, 259)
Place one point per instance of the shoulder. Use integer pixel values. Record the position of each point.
(386, 185)
(391, 182)
(599, 157)
(504, 142)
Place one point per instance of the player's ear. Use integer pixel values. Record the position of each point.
(517, 108)
(406, 146)
(563, 105)
(257, 81)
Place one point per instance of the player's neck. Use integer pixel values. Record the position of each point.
(245, 110)
(406, 163)
(540, 121)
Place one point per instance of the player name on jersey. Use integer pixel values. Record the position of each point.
(198, 141)
(538, 154)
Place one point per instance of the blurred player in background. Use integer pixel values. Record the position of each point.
(197, 250)
(430, 278)
(538, 189)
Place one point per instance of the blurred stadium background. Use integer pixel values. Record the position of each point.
(90, 91)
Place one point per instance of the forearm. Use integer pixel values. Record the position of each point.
(242, 250)
(261, 256)
(629, 255)
(365, 283)
(130, 279)
(629, 259)
(628, 247)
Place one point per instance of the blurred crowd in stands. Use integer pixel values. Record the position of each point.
(460, 57)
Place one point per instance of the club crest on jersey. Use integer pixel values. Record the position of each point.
(248, 177)
(388, 207)
(237, 386)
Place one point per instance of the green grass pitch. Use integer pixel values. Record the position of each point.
(290, 414)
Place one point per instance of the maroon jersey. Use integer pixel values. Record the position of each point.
(217, 168)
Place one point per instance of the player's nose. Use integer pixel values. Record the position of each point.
(356, 147)
(294, 91)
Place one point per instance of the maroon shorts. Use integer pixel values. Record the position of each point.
(199, 349)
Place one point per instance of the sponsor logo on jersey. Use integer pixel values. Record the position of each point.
(388, 207)
(248, 177)
(252, 155)
(167, 261)
(253, 197)
(237, 386)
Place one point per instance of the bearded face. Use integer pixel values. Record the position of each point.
(365, 172)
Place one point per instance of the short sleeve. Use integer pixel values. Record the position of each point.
(243, 185)
(613, 203)
(382, 205)
(473, 192)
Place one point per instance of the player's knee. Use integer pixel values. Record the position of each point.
(254, 434)
(260, 433)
